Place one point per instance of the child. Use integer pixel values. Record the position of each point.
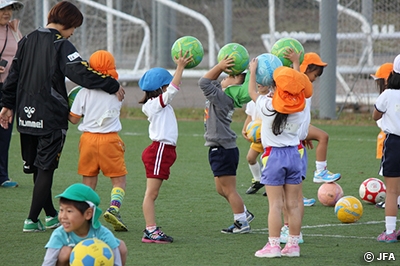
(160, 88)
(386, 110)
(79, 216)
(255, 148)
(313, 67)
(223, 153)
(282, 117)
(100, 147)
(380, 77)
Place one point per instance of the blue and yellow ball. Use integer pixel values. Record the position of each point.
(91, 252)
(253, 131)
(349, 209)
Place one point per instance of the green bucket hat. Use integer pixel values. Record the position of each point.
(239, 93)
(81, 192)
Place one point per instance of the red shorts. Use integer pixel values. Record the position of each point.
(158, 159)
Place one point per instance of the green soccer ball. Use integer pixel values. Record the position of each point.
(280, 46)
(191, 44)
(72, 94)
(239, 54)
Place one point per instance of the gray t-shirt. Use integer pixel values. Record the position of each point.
(218, 115)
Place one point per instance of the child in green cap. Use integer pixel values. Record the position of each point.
(79, 216)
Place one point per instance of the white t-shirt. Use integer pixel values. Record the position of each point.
(289, 136)
(163, 126)
(252, 111)
(100, 111)
(388, 102)
(303, 130)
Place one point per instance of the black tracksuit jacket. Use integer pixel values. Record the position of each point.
(35, 87)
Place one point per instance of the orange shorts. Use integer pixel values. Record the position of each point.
(257, 147)
(103, 152)
(379, 144)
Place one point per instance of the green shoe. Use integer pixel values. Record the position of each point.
(52, 222)
(113, 217)
(30, 226)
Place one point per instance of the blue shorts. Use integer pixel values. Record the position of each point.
(390, 164)
(304, 161)
(223, 161)
(282, 166)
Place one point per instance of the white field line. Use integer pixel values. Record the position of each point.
(265, 230)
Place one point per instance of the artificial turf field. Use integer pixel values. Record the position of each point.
(190, 210)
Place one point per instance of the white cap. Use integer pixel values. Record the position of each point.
(396, 64)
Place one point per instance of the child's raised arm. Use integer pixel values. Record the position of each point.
(222, 66)
(181, 62)
(252, 82)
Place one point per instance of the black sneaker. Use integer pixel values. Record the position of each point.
(157, 236)
(249, 216)
(255, 186)
(381, 205)
(237, 228)
(265, 194)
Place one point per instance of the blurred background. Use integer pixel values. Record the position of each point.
(140, 34)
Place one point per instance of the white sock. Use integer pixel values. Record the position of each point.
(390, 224)
(274, 241)
(241, 217)
(293, 240)
(320, 165)
(398, 200)
(255, 170)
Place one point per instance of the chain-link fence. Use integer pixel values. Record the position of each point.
(250, 19)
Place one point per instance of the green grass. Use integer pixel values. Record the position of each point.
(190, 210)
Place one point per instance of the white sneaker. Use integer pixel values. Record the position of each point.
(325, 176)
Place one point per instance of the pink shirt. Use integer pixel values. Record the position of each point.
(12, 44)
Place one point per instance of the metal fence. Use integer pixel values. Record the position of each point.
(250, 20)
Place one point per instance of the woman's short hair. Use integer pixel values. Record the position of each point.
(66, 14)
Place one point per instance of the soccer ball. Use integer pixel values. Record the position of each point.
(72, 94)
(329, 193)
(348, 209)
(280, 46)
(253, 131)
(372, 190)
(191, 44)
(267, 63)
(238, 52)
(91, 252)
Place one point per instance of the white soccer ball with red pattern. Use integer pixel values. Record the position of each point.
(372, 190)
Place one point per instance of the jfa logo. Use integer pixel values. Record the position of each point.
(385, 256)
(29, 111)
(381, 256)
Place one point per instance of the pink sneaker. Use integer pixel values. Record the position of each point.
(388, 238)
(269, 251)
(292, 251)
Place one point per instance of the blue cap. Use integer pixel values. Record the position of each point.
(154, 79)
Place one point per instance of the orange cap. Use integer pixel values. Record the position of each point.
(311, 58)
(103, 62)
(383, 71)
(292, 88)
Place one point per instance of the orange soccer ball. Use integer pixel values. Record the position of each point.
(329, 193)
